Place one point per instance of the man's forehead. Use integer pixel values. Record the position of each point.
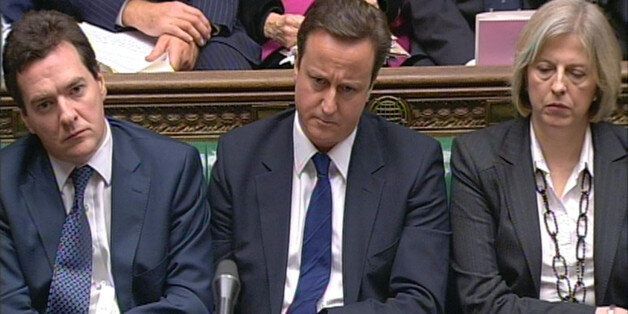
(61, 68)
(62, 57)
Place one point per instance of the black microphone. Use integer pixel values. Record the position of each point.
(226, 286)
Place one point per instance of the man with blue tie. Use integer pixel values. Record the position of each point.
(327, 208)
(96, 215)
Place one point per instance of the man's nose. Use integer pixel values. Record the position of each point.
(329, 102)
(67, 111)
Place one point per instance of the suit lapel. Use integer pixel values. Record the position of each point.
(274, 197)
(364, 188)
(610, 209)
(517, 180)
(129, 195)
(44, 203)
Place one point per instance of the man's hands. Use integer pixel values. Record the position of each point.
(181, 29)
(182, 54)
(174, 18)
(283, 28)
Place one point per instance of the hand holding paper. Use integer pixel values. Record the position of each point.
(125, 52)
(182, 54)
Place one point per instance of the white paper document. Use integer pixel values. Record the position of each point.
(124, 52)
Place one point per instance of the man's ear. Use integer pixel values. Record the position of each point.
(25, 119)
(101, 85)
(295, 69)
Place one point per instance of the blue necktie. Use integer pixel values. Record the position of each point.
(71, 279)
(316, 251)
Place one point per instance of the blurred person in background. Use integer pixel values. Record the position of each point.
(433, 32)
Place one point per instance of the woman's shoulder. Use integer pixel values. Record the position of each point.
(610, 132)
(495, 135)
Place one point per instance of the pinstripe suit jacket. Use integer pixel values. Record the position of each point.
(232, 49)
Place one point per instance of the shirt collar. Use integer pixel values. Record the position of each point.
(100, 161)
(340, 154)
(586, 154)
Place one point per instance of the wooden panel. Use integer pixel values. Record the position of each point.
(204, 105)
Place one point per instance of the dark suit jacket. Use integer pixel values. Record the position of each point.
(232, 49)
(396, 227)
(616, 10)
(438, 32)
(160, 238)
(497, 235)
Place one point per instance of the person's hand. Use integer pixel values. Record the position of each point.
(283, 28)
(604, 310)
(173, 17)
(182, 54)
(373, 3)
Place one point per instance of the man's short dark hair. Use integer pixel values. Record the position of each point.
(33, 37)
(347, 20)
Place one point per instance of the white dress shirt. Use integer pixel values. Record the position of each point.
(566, 208)
(303, 182)
(98, 211)
(119, 17)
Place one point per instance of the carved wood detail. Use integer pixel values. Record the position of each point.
(204, 105)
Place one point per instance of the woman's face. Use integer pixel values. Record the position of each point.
(562, 83)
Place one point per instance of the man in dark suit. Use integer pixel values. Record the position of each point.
(328, 208)
(95, 214)
(438, 33)
(196, 34)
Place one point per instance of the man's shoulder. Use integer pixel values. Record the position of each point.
(264, 129)
(140, 135)
(130, 138)
(20, 146)
(18, 153)
(394, 134)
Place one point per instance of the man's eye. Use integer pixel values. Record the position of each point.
(319, 81)
(42, 106)
(78, 89)
(347, 89)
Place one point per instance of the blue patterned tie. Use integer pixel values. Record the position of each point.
(316, 251)
(71, 280)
